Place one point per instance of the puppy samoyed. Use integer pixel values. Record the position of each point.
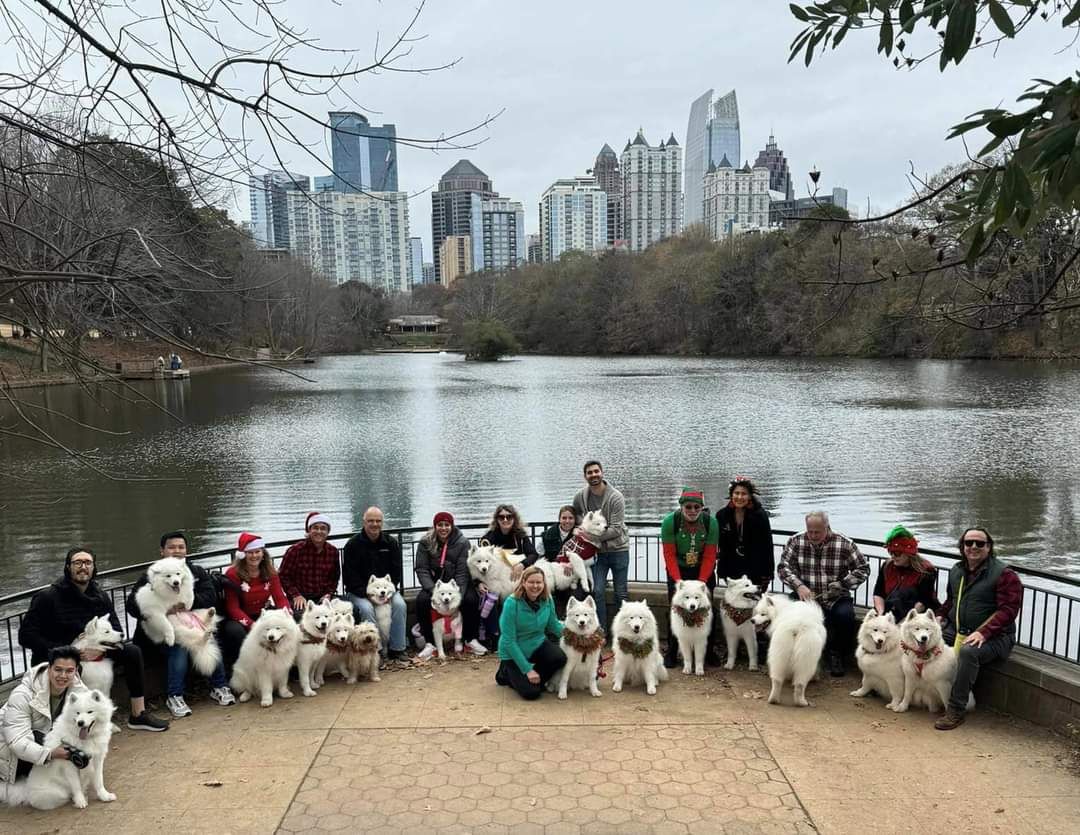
(492, 566)
(637, 649)
(98, 636)
(363, 655)
(195, 631)
(380, 591)
(691, 623)
(797, 638)
(84, 723)
(314, 624)
(343, 609)
(446, 616)
(929, 665)
(266, 655)
(170, 584)
(878, 654)
(740, 598)
(336, 657)
(582, 641)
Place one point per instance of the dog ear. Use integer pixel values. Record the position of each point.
(589, 602)
(678, 584)
(912, 615)
(870, 615)
(95, 695)
(890, 617)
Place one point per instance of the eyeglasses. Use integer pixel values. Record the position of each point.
(975, 543)
(504, 517)
(81, 563)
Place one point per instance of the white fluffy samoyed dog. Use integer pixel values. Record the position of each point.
(195, 631)
(98, 635)
(380, 591)
(878, 654)
(582, 640)
(84, 723)
(637, 649)
(929, 665)
(691, 623)
(796, 640)
(579, 553)
(492, 566)
(740, 598)
(314, 625)
(343, 609)
(446, 616)
(266, 655)
(170, 583)
(336, 657)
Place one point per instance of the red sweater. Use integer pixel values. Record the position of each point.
(244, 606)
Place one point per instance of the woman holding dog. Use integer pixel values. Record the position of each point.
(529, 657)
(554, 539)
(441, 555)
(251, 582)
(507, 531)
(745, 543)
(906, 581)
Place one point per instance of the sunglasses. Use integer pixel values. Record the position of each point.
(504, 517)
(975, 543)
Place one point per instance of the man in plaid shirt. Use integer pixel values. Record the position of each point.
(825, 566)
(311, 568)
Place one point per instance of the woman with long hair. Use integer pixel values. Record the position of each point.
(746, 545)
(906, 581)
(251, 583)
(527, 627)
(507, 531)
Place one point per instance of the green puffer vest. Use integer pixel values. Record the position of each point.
(979, 600)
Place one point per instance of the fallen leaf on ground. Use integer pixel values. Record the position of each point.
(484, 730)
(213, 784)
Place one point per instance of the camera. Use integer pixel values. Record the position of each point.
(79, 759)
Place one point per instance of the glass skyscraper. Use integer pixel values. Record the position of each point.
(364, 155)
(712, 133)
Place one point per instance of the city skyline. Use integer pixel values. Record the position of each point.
(851, 114)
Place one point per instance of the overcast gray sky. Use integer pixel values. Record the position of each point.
(574, 75)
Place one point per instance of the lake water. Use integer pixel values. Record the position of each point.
(936, 445)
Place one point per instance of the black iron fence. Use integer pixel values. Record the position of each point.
(1051, 602)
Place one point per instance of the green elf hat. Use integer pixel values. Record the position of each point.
(901, 540)
(689, 494)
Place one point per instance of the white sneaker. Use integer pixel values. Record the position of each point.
(476, 648)
(426, 653)
(223, 696)
(177, 706)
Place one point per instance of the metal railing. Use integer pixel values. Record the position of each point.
(1051, 602)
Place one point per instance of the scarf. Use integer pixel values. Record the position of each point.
(311, 639)
(924, 656)
(332, 647)
(638, 649)
(585, 644)
(448, 625)
(691, 619)
(740, 616)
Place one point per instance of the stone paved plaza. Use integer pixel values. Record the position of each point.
(702, 756)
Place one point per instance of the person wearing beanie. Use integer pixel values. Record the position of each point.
(251, 585)
(745, 545)
(371, 553)
(311, 568)
(441, 556)
(688, 538)
(906, 581)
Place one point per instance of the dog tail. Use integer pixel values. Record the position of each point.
(661, 670)
(15, 794)
(206, 657)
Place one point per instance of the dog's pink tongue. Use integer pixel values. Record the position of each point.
(84, 732)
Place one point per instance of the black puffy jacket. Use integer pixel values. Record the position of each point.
(58, 615)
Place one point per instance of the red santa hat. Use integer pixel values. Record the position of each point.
(248, 542)
(315, 518)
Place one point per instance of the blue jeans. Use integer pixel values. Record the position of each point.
(177, 661)
(618, 562)
(364, 610)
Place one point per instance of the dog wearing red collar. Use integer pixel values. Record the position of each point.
(446, 616)
(929, 666)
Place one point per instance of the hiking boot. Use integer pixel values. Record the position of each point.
(177, 707)
(951, 719)
(145, 722)
(223, 696)
(836, 665)
(671, 655)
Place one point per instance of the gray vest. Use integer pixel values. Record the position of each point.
(979, 600)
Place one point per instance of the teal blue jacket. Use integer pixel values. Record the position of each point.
(521, 630)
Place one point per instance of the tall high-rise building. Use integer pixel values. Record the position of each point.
(270, 208)
(498, 233)
(452, 204)
(353, 236)
(609, 180)
(455, 255)
(532, 248)
(779, 173)
(652, 191)
(737, 199)
(712, 133)
(573, 215)
(430, 277)
(364, 155)
(416, 261)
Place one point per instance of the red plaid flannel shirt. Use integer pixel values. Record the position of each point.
(305, 571)
(836, 560)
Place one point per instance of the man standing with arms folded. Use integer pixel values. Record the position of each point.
(310, 569)
(980, 613)
(688, 538)
(614, 553)
(826, 566)
(371, 553)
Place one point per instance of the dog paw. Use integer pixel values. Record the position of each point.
(773, 701)
(616, 688)
(266, 702)
(687, 670)
(699, 672)
(651, 690)
(376, 678)
(803, 703)
(595, 693)
(244, 697)
(308, 692)
(285, 694)
(351, 680)
(79, 802)
(858, 694)
(900, 708)
(106, 797)
(562, 694)
(753, 668)
(890, 706)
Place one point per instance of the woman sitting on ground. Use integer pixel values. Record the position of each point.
(906, 581)
(529, 657)
(553, 540)
(442, 556)
(249, 583)
(507, 531)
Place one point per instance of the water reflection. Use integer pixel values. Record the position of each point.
(936, 445)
